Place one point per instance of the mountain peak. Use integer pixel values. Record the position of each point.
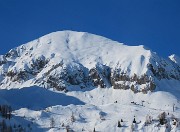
(63, 59)
(87, 49)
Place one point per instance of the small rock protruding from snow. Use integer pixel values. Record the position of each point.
(175, 59)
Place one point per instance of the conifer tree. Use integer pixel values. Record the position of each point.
(94, 130)
(134, 121)
(119, 124)
(52, 123)
(72, 118)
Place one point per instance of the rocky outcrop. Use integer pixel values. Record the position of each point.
(12, 54)
(100, 75)
(160, 72)
(23, 75)
(61, 76)
(120, 80)
(38, 64)
(2, 60)
(18, 76)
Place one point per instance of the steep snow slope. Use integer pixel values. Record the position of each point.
(84, 48)
(66, 59)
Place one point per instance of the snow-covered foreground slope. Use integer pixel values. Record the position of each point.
(98, 108)
(80, 81)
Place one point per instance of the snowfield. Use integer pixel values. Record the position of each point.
(97, 108)
(76, 81)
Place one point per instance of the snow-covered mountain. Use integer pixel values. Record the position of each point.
(66, 59)
(83, 64)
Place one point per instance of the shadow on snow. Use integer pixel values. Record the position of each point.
(35, 98)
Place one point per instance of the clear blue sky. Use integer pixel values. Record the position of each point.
(154, 23)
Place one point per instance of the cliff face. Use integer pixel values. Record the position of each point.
(67, 59)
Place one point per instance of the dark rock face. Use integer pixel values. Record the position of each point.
(2, 60)
(19, 76)
(160, 73)
(12, 54)
(68, 75)
(60, 76)
(25, 74)
(56, 83)
(103, 76)
(100, 75)
(127, 82)
(38, 64)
